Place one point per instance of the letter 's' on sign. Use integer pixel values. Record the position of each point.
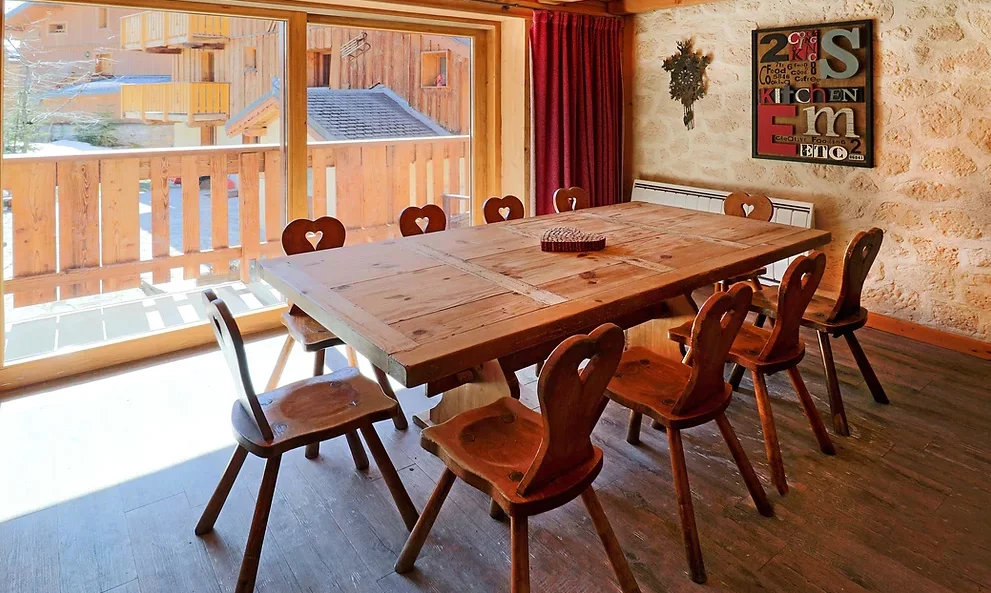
(813, 94)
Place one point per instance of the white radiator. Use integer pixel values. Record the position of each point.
(800, 214)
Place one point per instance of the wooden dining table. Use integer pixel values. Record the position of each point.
(461, 310)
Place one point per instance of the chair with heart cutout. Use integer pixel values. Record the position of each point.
(532, 462)
(568, 199)
(304, 236)
(410, 217)
(493, 208)
(751, 207)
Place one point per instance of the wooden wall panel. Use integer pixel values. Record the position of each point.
(190, 212)
(32, 190)
(159, 174)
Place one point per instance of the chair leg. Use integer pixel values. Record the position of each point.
(866, 369)
(426, 522)
(689, 531)
(658, 426)
(833, 387)
(736, 375)
(280, 364)
(213, 508)
(539, 367)
(818, 428)
(399, 420)
(351, 355)
(259, 523)
(357, 451)
(627, 582)
(391, 477)
(770, 434)
(633, 430)
(312, 451)
(746, 470)
(520, 554)
(512, 380)
(495, 511)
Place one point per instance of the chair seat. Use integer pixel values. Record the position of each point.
(313, 410)
(816, 314)
(751, 275)
(308, 332)
(651, 384)
(492, 447)
(747, 347)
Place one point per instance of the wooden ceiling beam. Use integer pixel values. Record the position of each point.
(638, 6)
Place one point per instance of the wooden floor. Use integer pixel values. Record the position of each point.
(103, 480)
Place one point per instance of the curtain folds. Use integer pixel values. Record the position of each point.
(577, 106)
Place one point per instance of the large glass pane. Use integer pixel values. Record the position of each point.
(143, 160)
(389, 124)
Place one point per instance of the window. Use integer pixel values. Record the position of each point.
(57, 28)
(251, 59)
(433, 69)
(102, 18)
(104, 65)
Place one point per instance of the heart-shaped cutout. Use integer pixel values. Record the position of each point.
(504, 212)
(422, 222)
(748, 209)
(314, 237)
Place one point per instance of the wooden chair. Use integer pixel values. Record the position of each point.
(679, 396)
(292, 416)
(531, 463)
(493, 207)
(411, 215)
(765, 352)
(303, 236)
(754, 207)
(567, 199)
(839, 317)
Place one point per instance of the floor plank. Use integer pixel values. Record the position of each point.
(903, 506)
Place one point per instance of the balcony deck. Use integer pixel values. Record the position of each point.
(193, 103)
(171, 32)
(78, 274)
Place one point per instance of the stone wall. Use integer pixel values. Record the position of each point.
(931, 188)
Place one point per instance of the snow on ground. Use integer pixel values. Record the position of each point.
(61, 147)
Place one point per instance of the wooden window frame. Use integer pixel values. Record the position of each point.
(64, 31)
(488, 175)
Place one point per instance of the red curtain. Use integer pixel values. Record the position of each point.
(577, 106)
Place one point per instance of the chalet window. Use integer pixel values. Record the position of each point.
(251, 59)
(102, 19)
(433, 69)
(57, 28)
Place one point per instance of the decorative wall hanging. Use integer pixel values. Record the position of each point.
(813, 97)
(688, 80)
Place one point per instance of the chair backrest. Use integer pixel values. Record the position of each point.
(797, 288)
(304, 235)
(860, 256)
(434, 214)
(567, 199)
(491, 209)
(232, 345)
(571, 401)
(713, 332)
(756, 207)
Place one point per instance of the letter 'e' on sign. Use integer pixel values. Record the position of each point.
(813, 93)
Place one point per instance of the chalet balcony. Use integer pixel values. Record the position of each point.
(171, 32)
(152, 225)
(193, 103)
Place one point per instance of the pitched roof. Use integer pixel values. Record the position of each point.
(365, 114)
(104, 86)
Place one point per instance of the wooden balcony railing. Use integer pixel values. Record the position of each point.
(195, 103)
(171, 32)
(94, 222)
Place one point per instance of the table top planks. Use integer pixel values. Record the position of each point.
(426, 307)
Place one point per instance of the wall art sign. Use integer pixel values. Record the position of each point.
(813, 96)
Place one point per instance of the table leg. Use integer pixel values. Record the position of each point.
(654, 333)
(488, 386)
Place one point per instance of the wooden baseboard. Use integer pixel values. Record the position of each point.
(59, 366)
(928, 335)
